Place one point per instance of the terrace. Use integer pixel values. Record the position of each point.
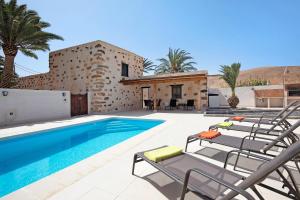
(107, 174)
(182, 87)
(90, 123)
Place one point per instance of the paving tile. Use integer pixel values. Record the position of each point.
(45, 187)
(73, 192)
(20, 194)
(107, 175)
(97, 194)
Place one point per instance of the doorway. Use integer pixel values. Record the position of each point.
(79, 104)
(145, 95)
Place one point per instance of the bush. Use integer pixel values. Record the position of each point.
(252, 82)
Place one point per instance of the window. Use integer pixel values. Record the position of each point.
(176, 91)
(295, 93)
(124, 69)
(294, 90)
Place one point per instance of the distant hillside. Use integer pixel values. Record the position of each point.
(272, 75)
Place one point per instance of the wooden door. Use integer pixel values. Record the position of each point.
(79, 104)
(145, 95)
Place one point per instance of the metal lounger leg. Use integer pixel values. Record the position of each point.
(136, 159)
(187, 143)
(257, 193)
(236, 161)
(133, 164)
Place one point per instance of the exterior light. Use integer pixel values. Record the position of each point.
(4, 93)
(63, 94)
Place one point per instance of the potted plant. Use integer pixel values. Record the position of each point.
(230, 75)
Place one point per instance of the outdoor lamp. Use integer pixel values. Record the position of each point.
(4, 93)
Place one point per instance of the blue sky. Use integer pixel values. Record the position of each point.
(253, 32)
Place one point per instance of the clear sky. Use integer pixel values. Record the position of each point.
(253, 32)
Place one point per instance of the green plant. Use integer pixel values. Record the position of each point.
(21, 30)
(230, 75)
(252, 82)
(148, 65)
(177, 61)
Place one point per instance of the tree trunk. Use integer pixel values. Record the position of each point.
(8, 72)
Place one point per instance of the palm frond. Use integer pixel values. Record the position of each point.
(230, 74)
(22, 28)
(148, 65)
(177, 60)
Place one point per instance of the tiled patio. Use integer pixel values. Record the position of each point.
(107, 175)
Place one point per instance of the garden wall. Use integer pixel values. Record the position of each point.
(23, 106)
(246, 96)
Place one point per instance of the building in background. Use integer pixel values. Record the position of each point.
(105, 78)
(92, 72)
(264, 87)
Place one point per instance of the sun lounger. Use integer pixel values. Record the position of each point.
(275, 129)
(264, 119)
(257, 142)
(209, 181)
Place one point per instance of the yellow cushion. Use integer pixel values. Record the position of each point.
(225, 124)
(163, 153)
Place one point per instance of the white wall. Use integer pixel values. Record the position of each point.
(21, 106)
(246, 95)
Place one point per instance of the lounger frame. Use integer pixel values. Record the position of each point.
(292, 153)
(139, 157)
(264, 119)
(256, 127)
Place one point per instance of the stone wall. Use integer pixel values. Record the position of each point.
(35, 82)
(93, 68)
(274, 76)
(190, 90)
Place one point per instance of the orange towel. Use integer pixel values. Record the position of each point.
(238, 118)
(209, 134)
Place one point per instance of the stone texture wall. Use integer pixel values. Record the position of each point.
(94, 68)
(190, 90)
(274, 75)
(35, 82)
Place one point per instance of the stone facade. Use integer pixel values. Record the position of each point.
(93, 68)
(196, 90)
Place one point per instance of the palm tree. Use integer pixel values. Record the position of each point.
(177, 61)
(230, 75)
(148, 65)
(21, 30)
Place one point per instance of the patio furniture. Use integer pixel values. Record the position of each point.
(190, 104)
(264, 119)
(148, 104)
(255, 142)
(282, 124)
(172, 105)
(181, 106)
(158, 102)
(210, 181)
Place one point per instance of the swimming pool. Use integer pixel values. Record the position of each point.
(28, 158)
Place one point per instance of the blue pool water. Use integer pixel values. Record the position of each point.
(28, 158)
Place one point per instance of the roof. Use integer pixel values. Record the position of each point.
(95, 42)
(167, 77)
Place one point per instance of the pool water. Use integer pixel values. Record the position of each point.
(28, 158)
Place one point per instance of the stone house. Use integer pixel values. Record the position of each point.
(99, 76)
